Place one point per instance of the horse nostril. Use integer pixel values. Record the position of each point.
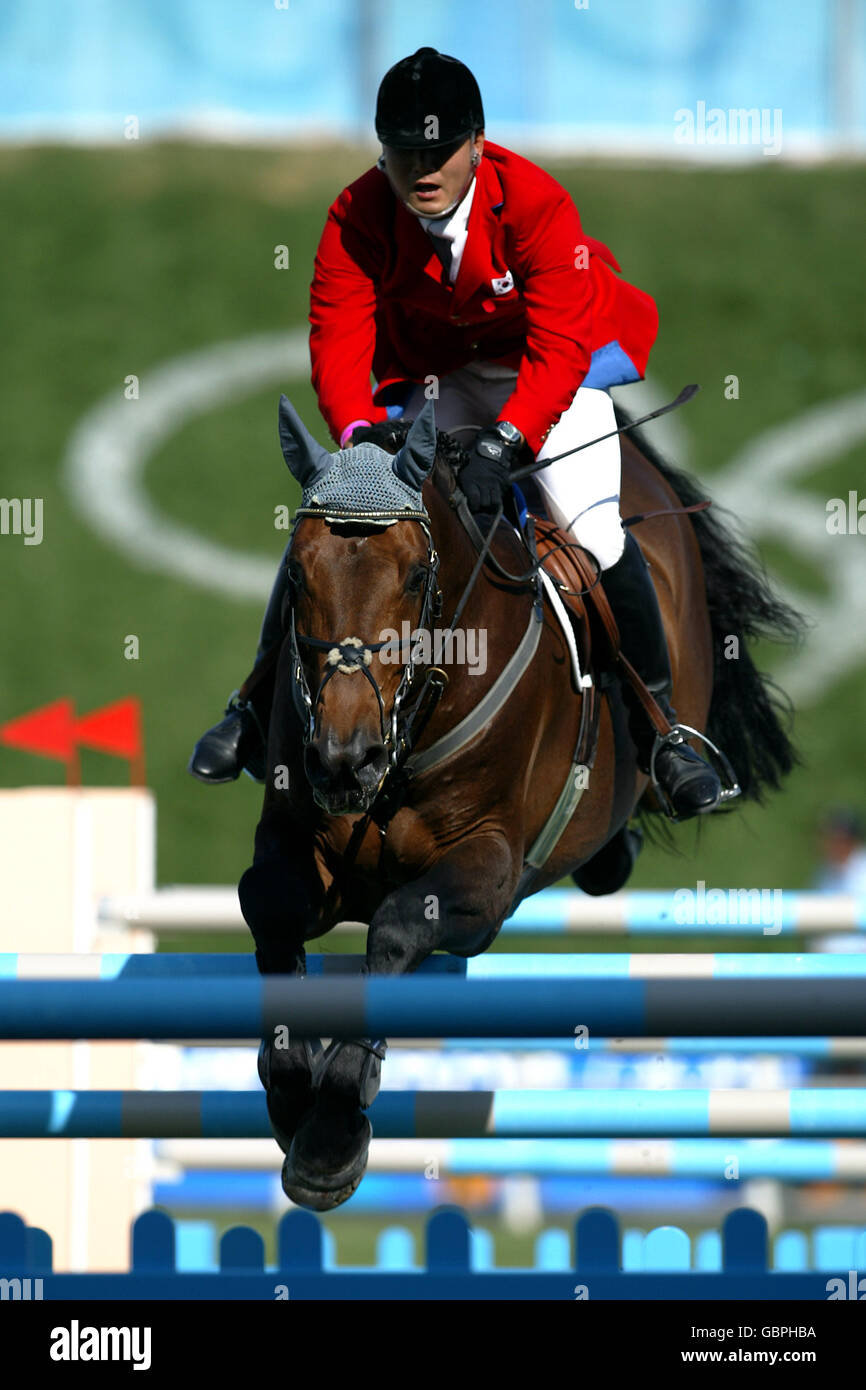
(373, 758)
(324, 763)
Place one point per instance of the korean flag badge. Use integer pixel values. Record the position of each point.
(503, 283)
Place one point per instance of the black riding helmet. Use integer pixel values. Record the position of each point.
(427, 84)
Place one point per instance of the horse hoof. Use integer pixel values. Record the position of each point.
(287, 1076)
(327, 1160)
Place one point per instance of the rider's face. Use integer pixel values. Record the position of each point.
(431, 180)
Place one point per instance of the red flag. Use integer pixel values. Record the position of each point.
(49, 731)
(113, 729)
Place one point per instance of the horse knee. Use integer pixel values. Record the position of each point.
(275, 905)
(401, 936)
(396, 944)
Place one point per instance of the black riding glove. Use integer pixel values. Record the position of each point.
(484, 478)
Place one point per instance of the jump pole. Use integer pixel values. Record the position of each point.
(786, 1159)
(540, 1114)
(430, 1007)
(497, 966)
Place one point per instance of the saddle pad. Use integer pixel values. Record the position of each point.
(568, 629)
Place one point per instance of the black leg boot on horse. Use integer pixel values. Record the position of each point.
(278, 902)
(239, 742)
(328, 1156)
(692, 787)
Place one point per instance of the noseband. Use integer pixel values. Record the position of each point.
(350, 654)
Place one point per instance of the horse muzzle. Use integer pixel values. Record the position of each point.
(345, 776)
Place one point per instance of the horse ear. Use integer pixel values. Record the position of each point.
(305, 457)
(415, 460)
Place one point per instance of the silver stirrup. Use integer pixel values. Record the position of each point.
(730, 786)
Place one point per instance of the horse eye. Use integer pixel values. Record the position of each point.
(296, 574)
(416, 578)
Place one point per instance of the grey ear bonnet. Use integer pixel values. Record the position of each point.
(364, 478)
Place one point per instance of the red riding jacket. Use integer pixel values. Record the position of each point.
(562, 317)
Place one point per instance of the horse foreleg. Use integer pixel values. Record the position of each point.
(280, 898)
(459, 906)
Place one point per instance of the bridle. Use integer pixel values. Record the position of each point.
(351, 654)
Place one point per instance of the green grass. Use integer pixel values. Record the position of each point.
(111, 262)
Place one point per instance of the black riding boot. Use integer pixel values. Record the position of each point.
(691, 785)
(239, 742)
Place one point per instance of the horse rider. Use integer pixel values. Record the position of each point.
(456, 266)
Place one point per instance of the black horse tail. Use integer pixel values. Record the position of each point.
(749, 716)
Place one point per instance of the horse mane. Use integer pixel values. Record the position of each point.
(390, 435)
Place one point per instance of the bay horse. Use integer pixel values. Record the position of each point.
(419, 799)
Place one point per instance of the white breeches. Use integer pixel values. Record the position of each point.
(581, 492)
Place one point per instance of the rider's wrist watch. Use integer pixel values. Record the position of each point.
(510, 433)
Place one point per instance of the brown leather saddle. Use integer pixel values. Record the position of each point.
(575, 578)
